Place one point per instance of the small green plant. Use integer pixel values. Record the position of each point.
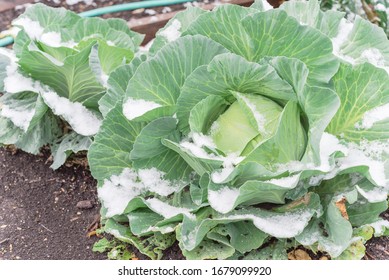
(115, 249)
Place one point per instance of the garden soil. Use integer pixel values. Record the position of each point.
(46, 214)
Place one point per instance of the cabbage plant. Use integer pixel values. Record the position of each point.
(249, 130)
(55, 79)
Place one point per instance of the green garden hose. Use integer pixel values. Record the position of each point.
(114, 9)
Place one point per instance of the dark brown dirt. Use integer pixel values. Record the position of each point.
(378, 248)
(39, 218)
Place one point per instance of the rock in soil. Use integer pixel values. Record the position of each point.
(84, 204)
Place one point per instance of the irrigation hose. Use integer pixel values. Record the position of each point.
(114, 9)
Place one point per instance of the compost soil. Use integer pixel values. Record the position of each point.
(46, 214)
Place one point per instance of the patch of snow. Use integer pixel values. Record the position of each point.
(119, 190)
(153, 180)
(309, 239)
(259, 118)
(380, 7)
(214, 128)
(373, 116)
(266, 5)
(356, 157)
(9, 54)
(285, 182)
(201, 140)
(378, 194)
(172, 32)
(284, 225)
(166, 210)
(33, 28)
(21, 119)
(23, 6)
(345, 28)
(220, 176)
(374, 149)
(163, 230)
(81, 119)
(114, 253)
(189, 239)
(333, 249)
(367, 153)
(229, 163)
(150, 12)
(104, 79)
(291, 166)
(16, 82)
(375, 57)
(223, 200)
(13, 31)
(195, 143)
(134, 108)
(329, 144)
(51, 39)
(316, 180)
(355, 178)
(194, 4)
(379, 227)
(166, 10)
(153, 19)
(36, 32)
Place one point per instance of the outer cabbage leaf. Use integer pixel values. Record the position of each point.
(361, 90)
(258, 36)
(175, 27)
